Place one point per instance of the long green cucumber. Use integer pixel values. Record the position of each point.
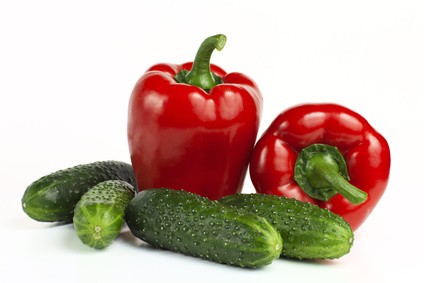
(99, 215)
(308, 231)
(190, 224)
(53, 197)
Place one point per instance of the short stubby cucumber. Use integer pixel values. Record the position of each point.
(190, 224)
(308, 231)
(99, 215)
(52, 198)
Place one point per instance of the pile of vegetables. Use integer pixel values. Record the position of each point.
(319, 170)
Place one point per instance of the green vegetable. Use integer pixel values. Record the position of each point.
(99, 214)
(308, 231)
(53, 197)
(188, 223)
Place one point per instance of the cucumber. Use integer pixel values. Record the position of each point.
(308, 231)
(99, 215)
(190, 224)
(52, 198)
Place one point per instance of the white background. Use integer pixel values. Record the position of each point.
(67, 70)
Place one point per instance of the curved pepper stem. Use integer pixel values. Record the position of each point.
(321, 172)
(200, 74)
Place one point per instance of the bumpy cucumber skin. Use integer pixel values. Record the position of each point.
(190, 224)
(99, 215)
(308, 231)
(52, 198)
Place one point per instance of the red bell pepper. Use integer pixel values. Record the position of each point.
(193, 126)
(324, 154)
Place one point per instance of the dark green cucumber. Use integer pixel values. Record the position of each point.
(53, 197)
(99, 214)
(308, 231)
(190, 224)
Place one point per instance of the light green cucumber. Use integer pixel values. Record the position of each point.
(52, 198)
(190, 224)
(99, 215)
(308, 231)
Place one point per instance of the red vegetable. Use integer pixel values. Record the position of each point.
(324, 154)
(193, 126)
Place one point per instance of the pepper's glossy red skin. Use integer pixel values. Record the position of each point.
(183, 137)
(366, 153)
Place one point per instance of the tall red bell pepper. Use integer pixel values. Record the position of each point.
(324, 154)
(193, 126)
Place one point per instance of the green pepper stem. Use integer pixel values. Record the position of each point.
(200, 74)
(327, 176)
(321, 172)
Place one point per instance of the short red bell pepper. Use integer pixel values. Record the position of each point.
(193, 126)
(324, 154)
